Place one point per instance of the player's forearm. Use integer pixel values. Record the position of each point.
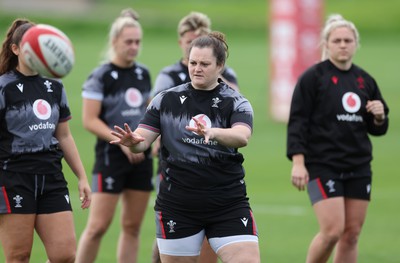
(231, 137)
(140, 147)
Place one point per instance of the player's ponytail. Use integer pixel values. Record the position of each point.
(8, 60)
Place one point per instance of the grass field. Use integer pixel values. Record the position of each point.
(284, 216)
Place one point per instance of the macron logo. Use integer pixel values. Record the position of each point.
(20, 87)
(244, 221)
(182, 76)
(182, 98)
(67, 198)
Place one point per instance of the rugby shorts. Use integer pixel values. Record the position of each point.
(181, 234)
(120, 175)
(325, 183)
(33, 193)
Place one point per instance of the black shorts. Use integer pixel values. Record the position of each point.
(33, 193)
(118, 176)
(327, 183)
(220, 211)
(229, 221)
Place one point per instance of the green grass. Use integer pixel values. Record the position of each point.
(284, 216)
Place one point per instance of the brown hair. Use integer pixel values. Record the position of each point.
(8, 60)
(215, 40)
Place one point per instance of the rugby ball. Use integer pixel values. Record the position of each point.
(48, 51)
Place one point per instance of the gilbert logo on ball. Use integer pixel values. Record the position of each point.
(48, 51)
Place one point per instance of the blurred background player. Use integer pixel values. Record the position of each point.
(332, 18)
(117, 92)
(335, 105)
(191, 26)
(34, 194)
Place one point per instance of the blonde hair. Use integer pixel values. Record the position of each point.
(333, 22)
(332, 18)
(127, 18)
(194, 21)
(129, 12)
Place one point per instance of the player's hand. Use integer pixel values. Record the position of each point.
(375, 107)
(125, 136)
(300, 177)
(85, 193)
(201, 130)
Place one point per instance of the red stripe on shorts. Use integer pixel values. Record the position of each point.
(254, 223)
(99, 182)
(3, 189)
(162, 225)
(321, 189)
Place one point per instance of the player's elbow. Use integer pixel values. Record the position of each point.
(243, 141)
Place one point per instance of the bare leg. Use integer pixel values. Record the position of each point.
(16, 236)
(347, 247)
(241, 252)
(207, 255)
(175, 259)
(134, 204)
(155, 257)
(59, 242)
(331, 218)
(102, 210)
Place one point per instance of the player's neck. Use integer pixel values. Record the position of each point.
(342, 65)
(25, 70)
(122, 63)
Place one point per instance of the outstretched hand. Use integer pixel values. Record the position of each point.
(201, 130)
(125, 136)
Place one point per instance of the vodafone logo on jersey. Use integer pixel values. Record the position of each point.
(200, 141)
(351, 102)
(133, 97)
(201, 118)
(42, 109)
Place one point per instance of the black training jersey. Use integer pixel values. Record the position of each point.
(31, 108)
(177, 74)
(187, 160)
(328, 120)
(124, 94)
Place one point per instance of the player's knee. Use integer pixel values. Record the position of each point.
(131, 228)
(332, 233)
(351, 237)
(63, 251)
(62, 257)
(19, 256)
(331, 237)
(96, 232)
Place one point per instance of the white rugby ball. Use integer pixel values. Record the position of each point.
(48, 51)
